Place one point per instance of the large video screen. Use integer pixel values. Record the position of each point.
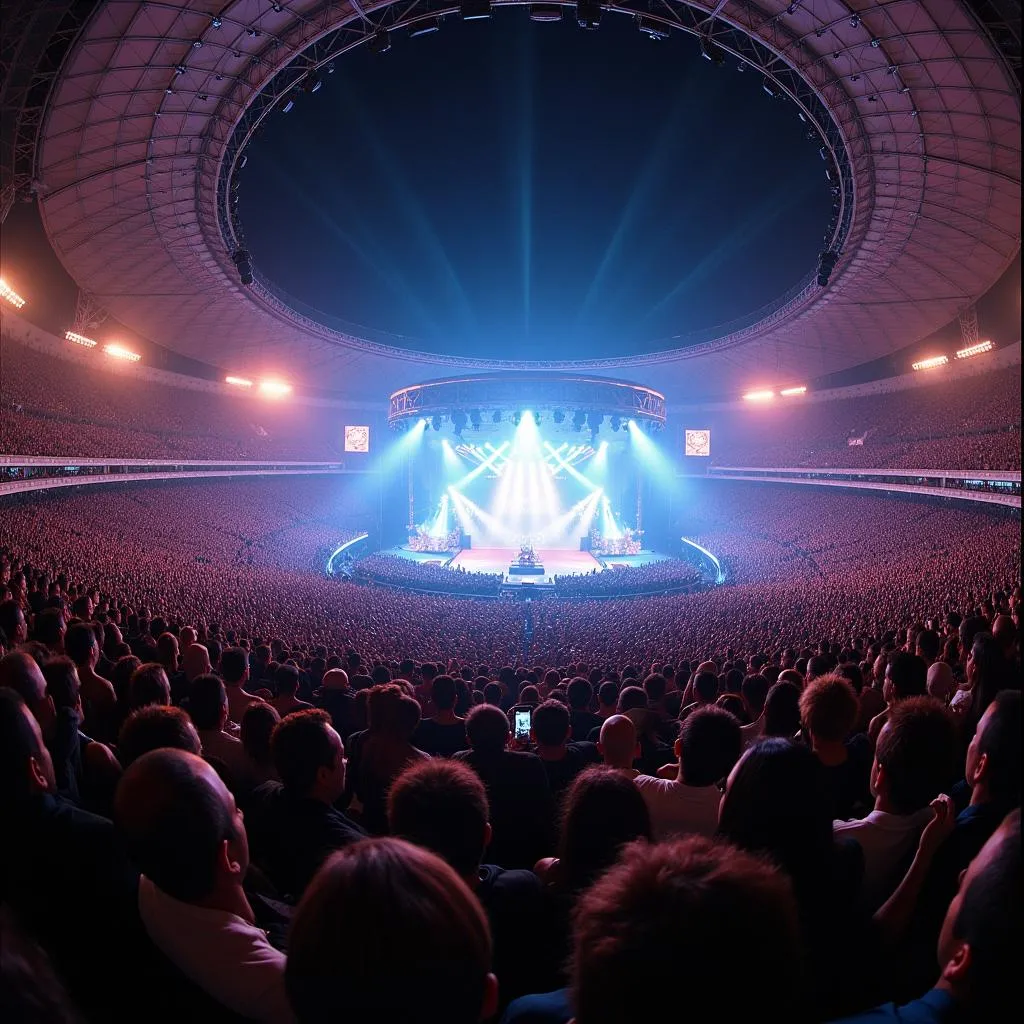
(357, 439)
(698, 442)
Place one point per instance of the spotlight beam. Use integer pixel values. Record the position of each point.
(483, 467)
(574, 473)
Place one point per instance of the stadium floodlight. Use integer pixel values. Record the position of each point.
(794, 391)
(975, 350)
(10, 295)
(424, 27)
(759, 396)
(117, 351)
(931, 363)
(275, 388)
(79, 339)
(238, 382)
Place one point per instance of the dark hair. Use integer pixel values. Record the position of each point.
(782, 709)
(1000, 741)
(48, 624)
(828, 708)
(62, 682)
(706, 686)
(710, 743)
(153, 727)
(929, 643)
(550, 723)
(442, 806)
(79, 641)
(989, 922)
(908, 675)
(754, 690)
(493, 694)
(579, 693)
(667, 911)
(991, 665)
(603, 811)
(257, 726)
(286, 680)
(608, 693)
(487, 728)
(206, 700)
(778, 803)
(301, 746)
(654, 686)
(173, 821)
(19, 741)
(443, 692)
(149, 685)
(234, 663)
(341, 963)
(917, 749)
(631, 698)
(389, 710)
(11, 617)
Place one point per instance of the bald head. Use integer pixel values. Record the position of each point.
(618, 742)
(195, 661)
(335, 679)
(941, 683)
(1005, 631)
(20, 672)
(175, 815)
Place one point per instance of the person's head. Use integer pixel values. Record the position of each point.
(180, 826)
(828, 709)
(941, 685)
(970, 628)
(195, 661)
(915, 757)
(155, 726)
(928, 646)
(49, 628)
(579, 693)
(21, 673)
(148, 685)
(26, 769)
(906, 675)
(705, 686)
(631, 698)
(342, 963)
(286, 680)
(207, 703)
(654, 686)
(309, 755)
(550, 726)
(782, 709)
(529, 695)
(62, 684)
(708, 746)
(987, 671)
(234, 666)
(607, 696)
(390, 712)
(487, 729)
(663, 917)
(258, 722)
(443, 692)
(12, 623)
(80, 644)
(618, 745)
(777, 803)
(603, 811)
(754, 690)
(442, 806)
(980, 940)
(993, 756)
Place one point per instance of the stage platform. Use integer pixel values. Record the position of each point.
(499, 560)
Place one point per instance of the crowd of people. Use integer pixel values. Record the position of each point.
(664, 575)
(970, 422)
(397, 571)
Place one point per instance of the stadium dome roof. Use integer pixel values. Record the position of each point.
(153, 103)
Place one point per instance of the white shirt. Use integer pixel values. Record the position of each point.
(677, 809)
(226, 956)
(888, 841)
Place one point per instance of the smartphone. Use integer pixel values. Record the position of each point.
(522, 718)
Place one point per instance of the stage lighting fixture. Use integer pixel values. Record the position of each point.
(424, 28)
(974, 350)
(516, 417)
(558, 416)
(496, 416)
(616, 422)
(474, 418)
(588, 15)
(238, 382)
(79, 339)
(827, 261)
(475, 10)
(800, 390)
(435, 422)
(770, 88)
(651, 28)
(932, 363)
(579, 417)
(380, 41)
(545, 12)
(120, 352)
(243, 264)
(459, 420)
(712, 52)
(10, 295)
(759, 396)
(854, 21)
(274, 388)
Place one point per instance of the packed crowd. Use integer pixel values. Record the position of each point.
(670, 574)
(49, 406)
(965, 423)
(261, 827)
(394, 570)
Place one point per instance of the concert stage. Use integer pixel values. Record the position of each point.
(502, 560)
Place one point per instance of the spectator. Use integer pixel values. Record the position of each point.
(153, 727)
(618, 745)
(336, 698)
(444, 733)
(914, 762)
(563, 760)
(257, 727)
(148, 685)
(208, 709)
(286, 681)
(580, 694)
(436, 930)
(99, 701)
(906, 675)
(234, 670)
(182, 829)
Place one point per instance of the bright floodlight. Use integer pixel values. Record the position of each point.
(238, 382)
(79, 339)
(794, 391)
(759, 396)
(117, 351)
(975, 350)
(275, 388)
(932, 363)
(8, 293)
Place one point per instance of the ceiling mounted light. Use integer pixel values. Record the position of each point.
(424, 27)
(380, 41)
(651, 28)
(475, 10)
(588, 15)
(712, 52)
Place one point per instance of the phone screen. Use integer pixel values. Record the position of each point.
(521, 724)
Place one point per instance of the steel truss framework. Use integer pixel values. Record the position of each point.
(918, 112)
(536, 391)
